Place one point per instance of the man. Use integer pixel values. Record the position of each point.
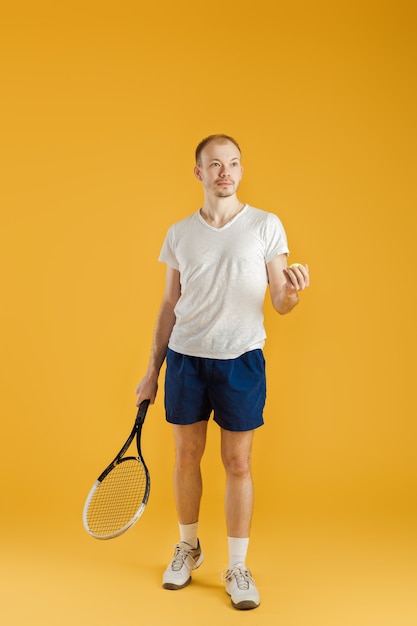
(220, 261)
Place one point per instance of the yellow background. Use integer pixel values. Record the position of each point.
(102, 106)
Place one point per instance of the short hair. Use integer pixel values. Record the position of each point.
(221, 138)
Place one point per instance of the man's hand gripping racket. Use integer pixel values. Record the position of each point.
(120, 494)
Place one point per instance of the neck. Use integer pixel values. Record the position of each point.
(219, 211)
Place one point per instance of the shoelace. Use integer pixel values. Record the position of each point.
(243, 577)
(180, 556)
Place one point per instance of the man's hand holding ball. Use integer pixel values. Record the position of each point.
(297, 276)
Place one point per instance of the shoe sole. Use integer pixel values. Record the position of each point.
(245, 605)
(174, 587)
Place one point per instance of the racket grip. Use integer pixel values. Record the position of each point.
(143, 407)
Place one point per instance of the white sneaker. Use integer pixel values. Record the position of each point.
(241, 588)
(178, 573)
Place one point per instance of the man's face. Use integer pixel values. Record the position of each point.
(219, 169)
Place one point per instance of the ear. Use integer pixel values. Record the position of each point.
(197, 173)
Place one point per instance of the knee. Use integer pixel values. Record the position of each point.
(189, 445)
(237, 465)
(188, 456)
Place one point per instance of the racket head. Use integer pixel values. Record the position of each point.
(117, 499)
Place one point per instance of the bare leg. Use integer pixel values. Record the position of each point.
(236, 456)
(190, 443)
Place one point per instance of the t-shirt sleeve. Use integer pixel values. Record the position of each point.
(275, 238)
(167, 254)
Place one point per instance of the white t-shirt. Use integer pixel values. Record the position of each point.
(223, 276)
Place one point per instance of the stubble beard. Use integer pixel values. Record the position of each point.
(226, 193)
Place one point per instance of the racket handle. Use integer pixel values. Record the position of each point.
(143, 407)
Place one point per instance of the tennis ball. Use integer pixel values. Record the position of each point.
(295, 264)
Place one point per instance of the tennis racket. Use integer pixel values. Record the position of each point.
(120, 494)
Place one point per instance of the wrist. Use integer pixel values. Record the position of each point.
(152, 374)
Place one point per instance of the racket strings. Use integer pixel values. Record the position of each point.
(117, 499)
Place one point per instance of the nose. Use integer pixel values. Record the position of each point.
(224, 171)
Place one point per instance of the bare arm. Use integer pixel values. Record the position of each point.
(148, 386)
(285, 283)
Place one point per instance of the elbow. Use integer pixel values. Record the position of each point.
(283, 311)
(283, 307)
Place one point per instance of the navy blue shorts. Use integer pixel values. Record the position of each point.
(234, 389)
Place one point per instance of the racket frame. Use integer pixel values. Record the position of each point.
(119, 458)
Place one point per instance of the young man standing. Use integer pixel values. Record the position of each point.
(210, 330)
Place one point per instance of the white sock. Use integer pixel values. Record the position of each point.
(238, 548)
(189, 533)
